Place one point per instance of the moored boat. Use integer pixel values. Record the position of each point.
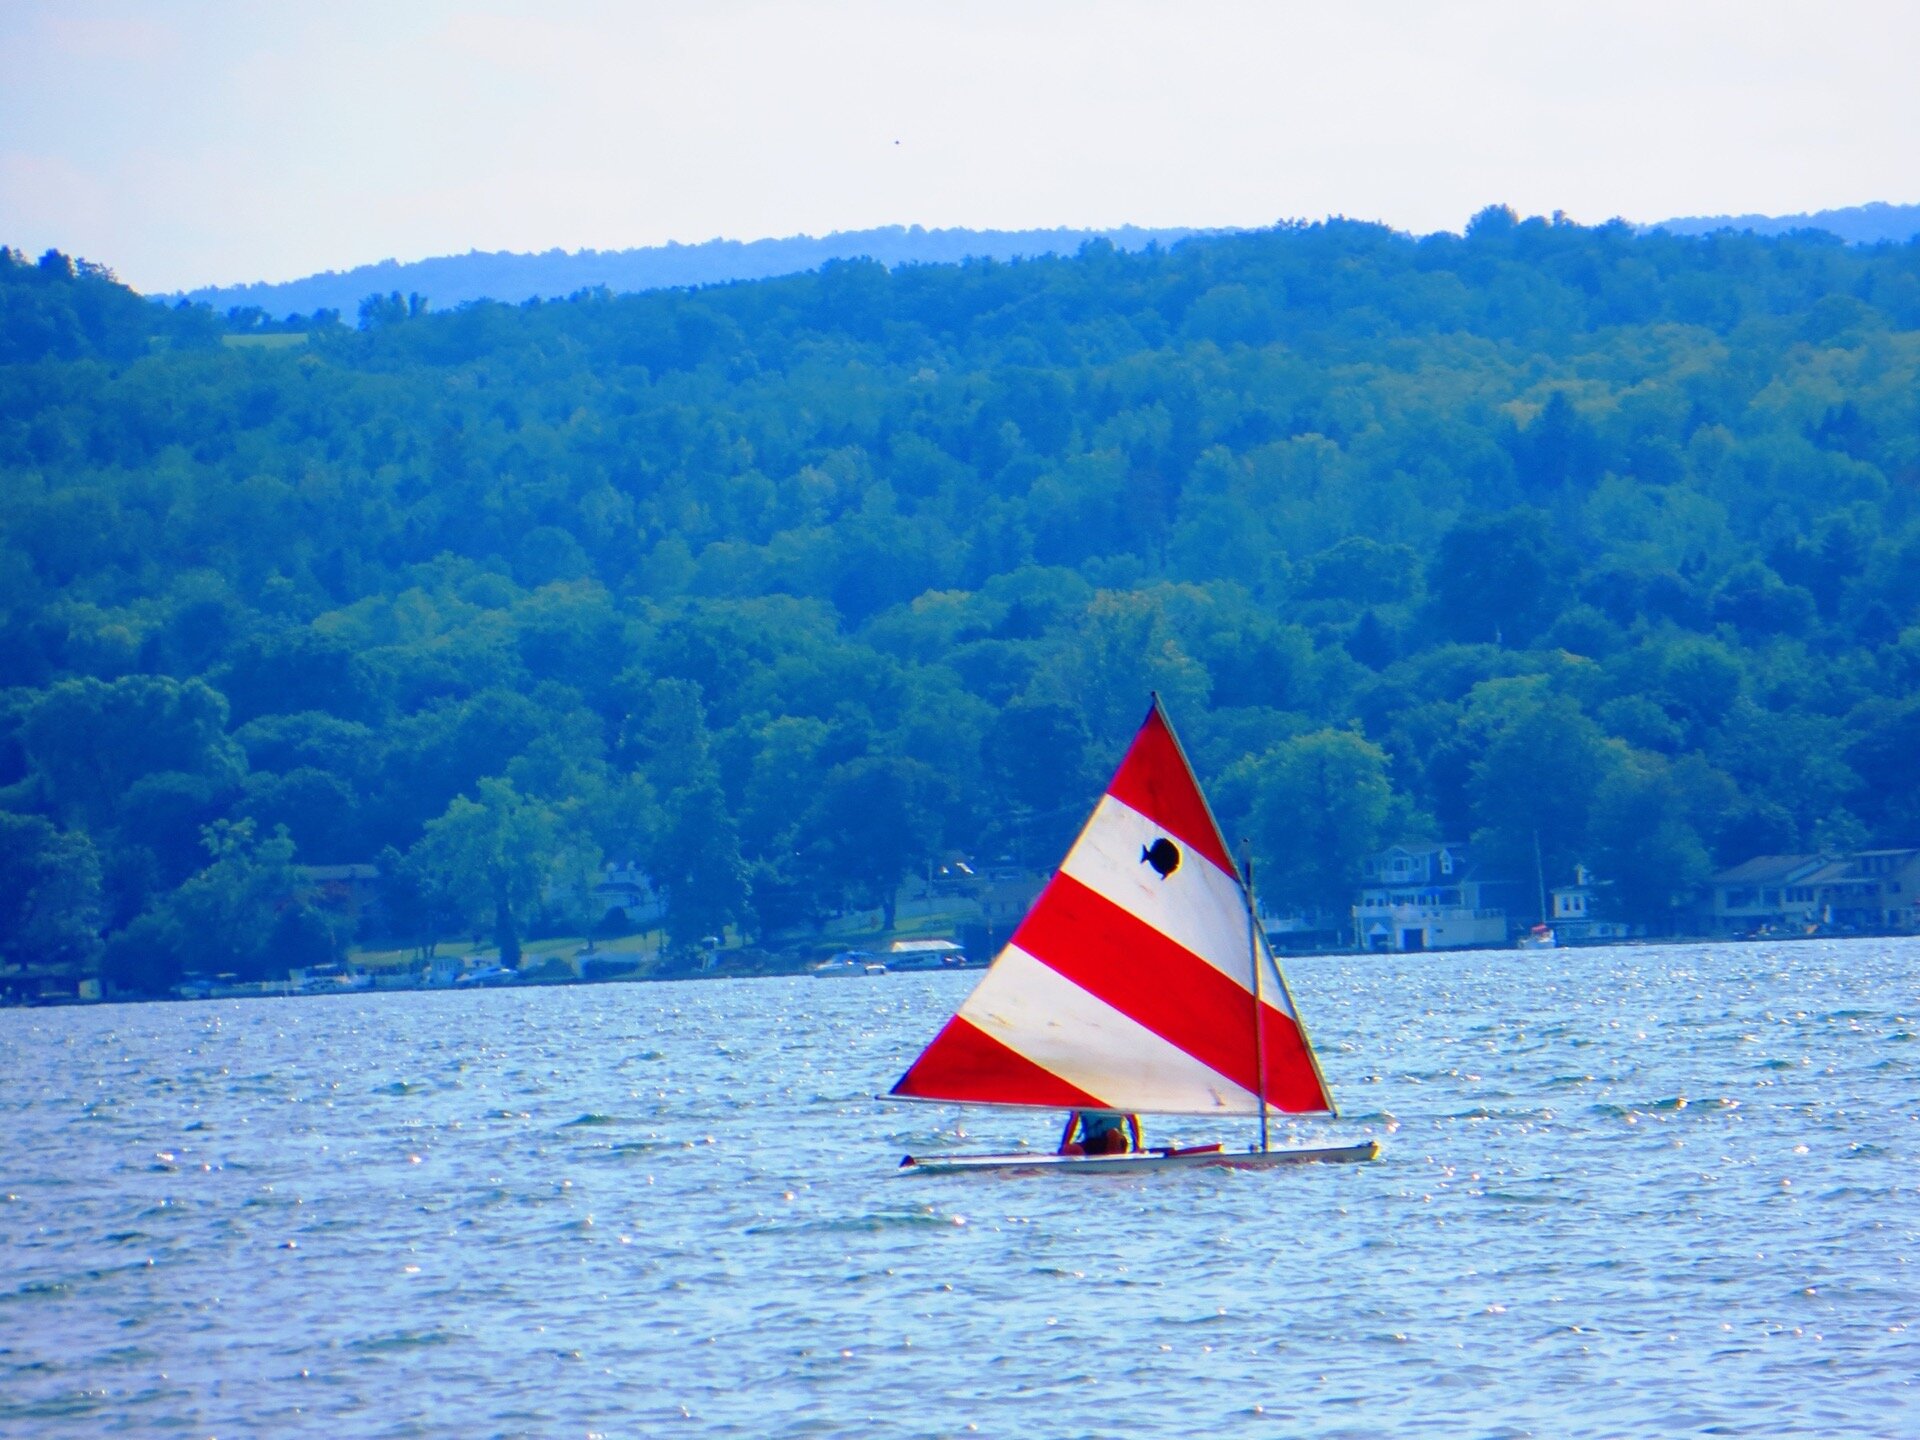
(849, 963)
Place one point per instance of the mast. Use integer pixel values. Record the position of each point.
(1253, 960)
(1286, 991)
(1539, 877)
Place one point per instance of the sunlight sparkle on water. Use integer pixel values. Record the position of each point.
(1646, 1191)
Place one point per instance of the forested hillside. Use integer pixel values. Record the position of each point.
(1874, 224)
(788, 586)
(449, 280)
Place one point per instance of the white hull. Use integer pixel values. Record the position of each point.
(1189, 1158)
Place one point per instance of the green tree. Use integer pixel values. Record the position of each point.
(285, 672)
(50, 895)
(418, 908)
(1363, 571)
(230, 909)
(788, 755)
(1125, 645)
(90, 740)
(1496, 578)
(495, 856)
(148, 956)
(666, 735)
(696, 858)
(874, 822)
(1559, 448)
(1534, 786)
(1643, 842)
(1885, 751)
(1035, 757)
(1753, 598)
(1321, 804)
(305, 935)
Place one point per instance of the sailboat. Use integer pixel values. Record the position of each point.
(1138, 982)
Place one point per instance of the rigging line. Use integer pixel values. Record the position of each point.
(1253, 959)
(1306, 1040)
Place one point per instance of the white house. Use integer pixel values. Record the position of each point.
(625, 887)
(1428, 897)
(1575, 917)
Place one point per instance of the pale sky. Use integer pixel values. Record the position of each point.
(213, 143)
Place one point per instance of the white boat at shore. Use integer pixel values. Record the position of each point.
(849, 964)
(925, 955)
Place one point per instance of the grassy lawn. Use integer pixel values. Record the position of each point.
(263, 342)
(532, 951)
(853, 932)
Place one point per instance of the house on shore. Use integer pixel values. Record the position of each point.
(1869, 890)
(623, 885)
(1430, 897)
(350, 891)
(1293, 931)
(1768, 892)
(1575, 913)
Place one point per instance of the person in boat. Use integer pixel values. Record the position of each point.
(1101, 1132)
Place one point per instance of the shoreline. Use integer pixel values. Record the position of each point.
(290, 990)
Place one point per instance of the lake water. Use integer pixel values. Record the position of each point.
(1656, 1191)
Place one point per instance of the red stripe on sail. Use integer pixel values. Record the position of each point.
(1293, 1080)
(1154, 780)
(964, 1063)
(1120, 959)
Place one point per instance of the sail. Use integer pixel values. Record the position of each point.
(1130, 983)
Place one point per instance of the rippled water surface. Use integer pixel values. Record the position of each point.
(1660, 1191)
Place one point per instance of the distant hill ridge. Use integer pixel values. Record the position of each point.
(1856, 224)
(450, 280)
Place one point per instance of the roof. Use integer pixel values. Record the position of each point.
(1837, 872)
(1429, 848)
(1764, 868)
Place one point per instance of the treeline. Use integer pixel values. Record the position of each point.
(450, 280)
(786, 587)
(1871, 224)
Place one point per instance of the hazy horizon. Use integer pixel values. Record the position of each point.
(217, 143)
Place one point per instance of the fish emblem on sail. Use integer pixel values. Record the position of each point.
(1130, 985)
(1163, 855)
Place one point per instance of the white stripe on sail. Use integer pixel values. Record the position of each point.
(1199, 906)
(1273, 989)
(1045, 1017)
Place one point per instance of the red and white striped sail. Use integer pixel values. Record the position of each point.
(1130, 983)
